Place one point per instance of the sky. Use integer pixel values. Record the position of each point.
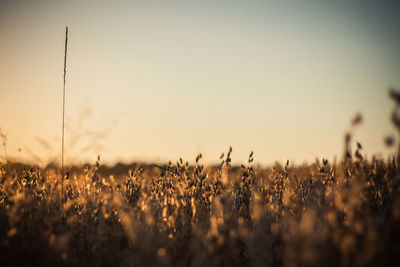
(159, 80)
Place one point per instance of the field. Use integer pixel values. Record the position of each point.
(344, 213)
(199, 133)
(323, 214)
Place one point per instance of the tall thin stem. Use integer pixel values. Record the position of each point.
(63, 119)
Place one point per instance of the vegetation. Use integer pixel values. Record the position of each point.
(323, 214)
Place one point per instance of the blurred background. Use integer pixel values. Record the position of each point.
(158, 80)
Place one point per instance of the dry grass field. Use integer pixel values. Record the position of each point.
(199, 133)
(344, 213)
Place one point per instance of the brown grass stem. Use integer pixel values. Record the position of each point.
(63, 118)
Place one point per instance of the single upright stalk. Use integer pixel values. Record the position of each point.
(63, 119)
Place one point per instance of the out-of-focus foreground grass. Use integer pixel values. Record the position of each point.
(343, 213)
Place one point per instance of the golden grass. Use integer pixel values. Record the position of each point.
(322, 214)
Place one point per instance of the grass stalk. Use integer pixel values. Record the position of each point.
(63, 118)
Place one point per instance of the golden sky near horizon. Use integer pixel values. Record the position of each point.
(156, 80)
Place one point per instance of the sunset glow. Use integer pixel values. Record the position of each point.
(158, 80)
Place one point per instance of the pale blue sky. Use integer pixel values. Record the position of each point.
(155, 80)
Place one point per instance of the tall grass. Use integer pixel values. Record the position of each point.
(324, 213)
(343, 213)
(63, 116)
